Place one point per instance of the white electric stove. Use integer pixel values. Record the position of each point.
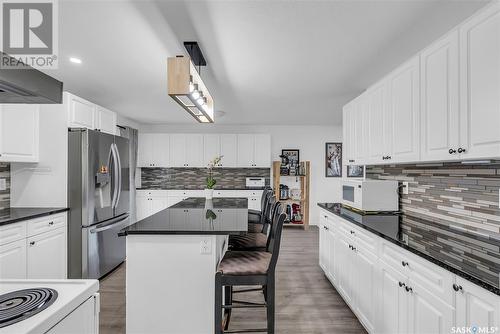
(49, 306)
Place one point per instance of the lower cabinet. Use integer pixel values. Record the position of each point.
(34, 249)
(46, 257)
(388, 297)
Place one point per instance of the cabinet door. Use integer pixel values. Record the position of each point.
(427, 313)
(13, 260)
(378, 123)
(323, 244)
(439, 100)
(83, 320)
(332, 265)
(392, 310)
(361, 129)
(145, 150)
(158, 204)
(178, 150)
(82, 113)
(246, 150)
(254, 203)
(161, 150)
(172, 200)
(366, 287)
(211, 148)
(106, 120)
(262, 151)
(480, 84)
(349, 132)
(46, 255)
(194, 150)
(229, 149)
(143, 207)
(476, 306)
(404, 103)
(345, 258)
(19, 132)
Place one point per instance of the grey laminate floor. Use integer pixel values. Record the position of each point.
(306, 301)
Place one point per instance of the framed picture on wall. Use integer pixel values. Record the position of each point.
(355, 171)
(333, 160)
(292, 155)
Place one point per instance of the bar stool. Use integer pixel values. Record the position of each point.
(256, 219)
(248, 268)
(255, 241)
(263, 199)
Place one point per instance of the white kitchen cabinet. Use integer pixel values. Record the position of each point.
(82, 320)
(211, 148)
(149, 202)
(476, 306)
(106, 120)
(46, 255)
(142, 204)
(254, 203)
(13, 260)
(324, 246)
(378, 135)
(254, 150)
(361, 130)
(186, 150)
(159, 203)
(480, 84)
(331, 239)
(81, 113)
(366, 286)
(349, 132)
(19, 132)
(439, 100)
(229, 150)
(345, 276)
(153, 150)
(393, 301)
(404, 113)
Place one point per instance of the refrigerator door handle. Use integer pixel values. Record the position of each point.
(116, 177)
(119, 163)
(98, 229)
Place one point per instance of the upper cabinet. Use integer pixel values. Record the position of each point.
(186, 150)
(85, 114)
(480, 85)
(19, 132)
(439, 110)
(225, 145)
(153, 150)
(441, 105)
(254, 150)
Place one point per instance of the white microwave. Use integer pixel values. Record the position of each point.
(371, 195)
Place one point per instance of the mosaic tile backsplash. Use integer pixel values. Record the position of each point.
(194, 178)
(452, 209)
(5, 194)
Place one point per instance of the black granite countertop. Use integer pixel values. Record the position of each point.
(196, 215)
(220, 188)
(13, 215)
(450, 248)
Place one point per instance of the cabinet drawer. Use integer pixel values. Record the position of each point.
(158, 193)
(45, 224)
(393, 256)
(143, 193)
(366, 240)
(12, 232)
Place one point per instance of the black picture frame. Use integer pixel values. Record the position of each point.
(355, 171)
(333, 160)
(292, 152)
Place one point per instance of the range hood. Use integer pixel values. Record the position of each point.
(28, 85)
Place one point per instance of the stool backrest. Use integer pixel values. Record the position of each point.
(276, 211)
(267, 206)
(263, 199)
(274, 240)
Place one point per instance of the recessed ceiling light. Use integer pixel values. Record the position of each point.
(75, 60)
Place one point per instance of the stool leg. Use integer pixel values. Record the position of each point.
(228, 300)
(218, 304)
(270, 305)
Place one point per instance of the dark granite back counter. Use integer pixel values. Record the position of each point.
(13, 215)
(196, 216)
(449, 247)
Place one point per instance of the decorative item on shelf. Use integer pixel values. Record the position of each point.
(209, 190)
(333, 159)
(295, 194)
(284, 167)
(284, 192)
(296, 215)
(186, 87)
(355, 171)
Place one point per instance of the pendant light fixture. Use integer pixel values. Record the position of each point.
(186, 87)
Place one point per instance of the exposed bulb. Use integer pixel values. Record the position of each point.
(195, 94)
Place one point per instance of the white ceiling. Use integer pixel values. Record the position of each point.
(269, 62)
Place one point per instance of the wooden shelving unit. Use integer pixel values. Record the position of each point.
(304, 191)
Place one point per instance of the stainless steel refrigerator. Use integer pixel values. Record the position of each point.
(98, 197)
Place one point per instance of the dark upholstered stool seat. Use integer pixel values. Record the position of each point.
(254, 219)
(245, 263)
(247, 241)
(254, 228)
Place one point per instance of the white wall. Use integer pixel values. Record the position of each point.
(310, 140)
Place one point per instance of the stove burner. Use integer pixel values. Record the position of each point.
(19, 305)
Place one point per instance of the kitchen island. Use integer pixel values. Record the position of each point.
(172, 257)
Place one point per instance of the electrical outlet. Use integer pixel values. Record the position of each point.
(3, 184)
(406, 187)
(205, 246)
